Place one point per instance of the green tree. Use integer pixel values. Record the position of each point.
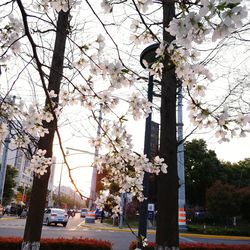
(237, 174)
(68, 201)
(9, 184)
(244, 201)
(202, 169)
(222, 201)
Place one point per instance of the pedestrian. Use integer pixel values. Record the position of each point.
(19, 210)
(102, 215)
(69, 213)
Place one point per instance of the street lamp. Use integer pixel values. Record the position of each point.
(148, 55)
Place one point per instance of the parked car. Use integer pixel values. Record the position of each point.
(11, 209)
(56, 216)
(83, 212)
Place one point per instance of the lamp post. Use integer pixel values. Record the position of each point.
(94, 172)
(147, 54)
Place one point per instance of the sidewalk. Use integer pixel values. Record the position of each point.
(107, 227)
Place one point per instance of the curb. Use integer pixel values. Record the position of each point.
(9, 218)
(150, 231)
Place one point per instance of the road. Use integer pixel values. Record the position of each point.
(120, 239)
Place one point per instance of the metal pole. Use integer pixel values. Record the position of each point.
(142, 232)
(180, 158)
(59, 187)
(94, 172)
(4, 164)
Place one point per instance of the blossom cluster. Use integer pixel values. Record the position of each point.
(121, 165)
(39, 163)
(23, 123)
(10, 34)
(58, 5)
(215, 16)
(127, 170)
(215, 19)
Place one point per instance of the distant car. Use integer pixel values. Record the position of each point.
(83, 212)
(55, 216)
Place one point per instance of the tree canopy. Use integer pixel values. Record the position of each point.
(10, 184)
(202, 169)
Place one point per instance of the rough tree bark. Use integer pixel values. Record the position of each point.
(33, 227)
(167, 232)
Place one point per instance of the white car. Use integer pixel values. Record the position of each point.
(56, 216)
(83, 212)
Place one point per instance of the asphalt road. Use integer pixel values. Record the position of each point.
(120, 239)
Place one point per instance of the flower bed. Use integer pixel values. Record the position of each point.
(14, 243)
(198, 246)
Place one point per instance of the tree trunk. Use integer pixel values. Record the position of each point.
(33, 227)
(167, 232)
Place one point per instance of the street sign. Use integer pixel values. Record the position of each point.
(151, 207)
(19, 197)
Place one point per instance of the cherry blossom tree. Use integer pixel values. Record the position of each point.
(50, 46)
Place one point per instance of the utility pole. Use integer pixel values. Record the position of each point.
(94, 172)
(180, 158)
(59, 186)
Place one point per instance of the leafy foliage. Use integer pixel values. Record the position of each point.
(222, 201)
(67, 201)
(202, 169)
(9, 184)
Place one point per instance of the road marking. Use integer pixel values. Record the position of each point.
(186, 239)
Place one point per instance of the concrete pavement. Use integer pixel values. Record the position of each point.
(108, 227)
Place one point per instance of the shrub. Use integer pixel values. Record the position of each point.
(231, 231)
(14, 243)
(198, 246)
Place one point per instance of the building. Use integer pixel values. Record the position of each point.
(17, 159)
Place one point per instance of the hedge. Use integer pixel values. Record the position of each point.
(198, 246)
(14, 243)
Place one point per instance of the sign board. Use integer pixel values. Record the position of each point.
(151, 207)
(151, 215)
(19, 197)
